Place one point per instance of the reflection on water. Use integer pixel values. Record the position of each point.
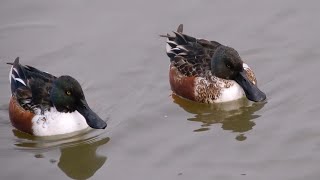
(235, 116)
(81, 161)
(78, 159)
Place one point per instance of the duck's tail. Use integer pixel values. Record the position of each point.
(17, 76)
(177, 45)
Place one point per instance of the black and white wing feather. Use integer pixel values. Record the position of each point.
(190, 55)
(29, 85)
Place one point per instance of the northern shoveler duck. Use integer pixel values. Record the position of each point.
(207, 71)
(44, 105)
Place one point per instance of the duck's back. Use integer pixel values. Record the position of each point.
(30, 86)
(191, 56)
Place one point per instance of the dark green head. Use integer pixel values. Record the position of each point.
(227, 64)
(67, 96)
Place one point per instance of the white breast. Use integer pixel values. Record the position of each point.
(216, 90)
(232, 93)
(53, 122)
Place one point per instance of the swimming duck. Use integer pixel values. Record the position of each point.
(44, 105)
(207, 71)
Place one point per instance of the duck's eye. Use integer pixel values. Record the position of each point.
(68, 93)
(228, 65)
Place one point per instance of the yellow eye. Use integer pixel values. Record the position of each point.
(228, 65)
(68, 93)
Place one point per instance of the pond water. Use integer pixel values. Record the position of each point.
(113, 48)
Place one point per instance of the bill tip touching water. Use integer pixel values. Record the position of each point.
(44, 105)
(207, 71)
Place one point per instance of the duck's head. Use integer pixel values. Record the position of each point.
(227, 64)
(67, 96)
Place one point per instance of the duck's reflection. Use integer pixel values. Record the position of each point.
(82, 161)
(78, 158)
(235, 116)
